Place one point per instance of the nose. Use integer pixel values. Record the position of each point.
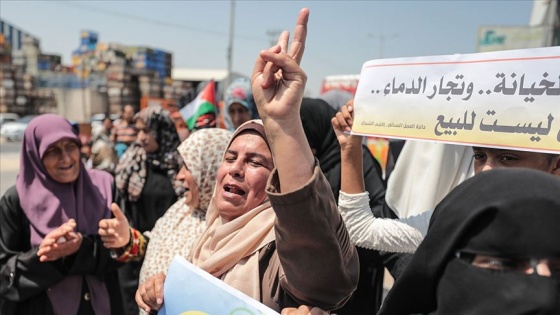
(66, 156)
(489, 165)
(236, 169)
(539, 267)
(181, 174)
(141, 135)
(543, 269)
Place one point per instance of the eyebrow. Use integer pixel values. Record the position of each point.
(250, 155)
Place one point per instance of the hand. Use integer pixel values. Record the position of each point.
(60, 242)
(303, 310)
(115, 232)
(342, 124)
(278, 81)
(149, 295)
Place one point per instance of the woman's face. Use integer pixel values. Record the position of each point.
(192, 194)
(239, 114)
(147, 137)
(62, 161)
(242, 176)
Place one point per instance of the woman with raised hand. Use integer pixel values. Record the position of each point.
(51, 259)
(273, 229)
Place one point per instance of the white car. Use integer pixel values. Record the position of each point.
(8, 117)
(15, 130)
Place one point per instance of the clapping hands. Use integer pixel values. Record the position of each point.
(60, 242)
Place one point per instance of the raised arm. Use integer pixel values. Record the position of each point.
(365, 230)
(278, 84)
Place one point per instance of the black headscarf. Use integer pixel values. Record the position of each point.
(316, 117)
(504, 213)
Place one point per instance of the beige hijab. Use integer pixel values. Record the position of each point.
(230, 250)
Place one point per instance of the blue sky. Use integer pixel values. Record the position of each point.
(342, 34)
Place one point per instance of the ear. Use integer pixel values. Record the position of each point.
(556, 165)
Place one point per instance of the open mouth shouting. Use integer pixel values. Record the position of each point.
(233, 191)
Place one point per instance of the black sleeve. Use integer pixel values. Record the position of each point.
(22, 275)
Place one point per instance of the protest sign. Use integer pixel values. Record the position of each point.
(506, 99)
(189, 290)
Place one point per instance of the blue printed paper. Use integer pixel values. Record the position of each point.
(189, 290)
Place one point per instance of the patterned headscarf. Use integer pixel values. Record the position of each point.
(202, 153)
(239, 91)
(132, 168)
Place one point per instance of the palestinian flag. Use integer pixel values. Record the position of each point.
(203, 104)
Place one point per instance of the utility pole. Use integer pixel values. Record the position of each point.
(85, 116)
(273, 36)
(381, 36)
(230, 44)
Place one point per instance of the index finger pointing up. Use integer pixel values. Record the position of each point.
(300, 34)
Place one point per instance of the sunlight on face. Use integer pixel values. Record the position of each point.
(242, 175)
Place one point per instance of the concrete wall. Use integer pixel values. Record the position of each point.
(79, 104)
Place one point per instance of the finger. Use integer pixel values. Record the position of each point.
(284, 62)
(288, 311)
(43, 250)
(70, 225)
(336, 124)
(104, 223)
(140, 300)
(258, 69)
(347, 114)
(150, 294)
(270, 69)
(159, 290)
(317, 311)
(119, 215)
(283, 40)
(300, 35)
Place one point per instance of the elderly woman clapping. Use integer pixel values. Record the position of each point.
(51, 259)
(273, 228)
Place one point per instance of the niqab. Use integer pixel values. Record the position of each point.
(504, 213)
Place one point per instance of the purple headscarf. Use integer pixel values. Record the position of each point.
(87, 200)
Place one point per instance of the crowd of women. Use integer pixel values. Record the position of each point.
(290, 209)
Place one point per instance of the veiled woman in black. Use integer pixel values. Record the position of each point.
(492, 248)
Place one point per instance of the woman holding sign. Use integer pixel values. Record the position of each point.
(273, 229)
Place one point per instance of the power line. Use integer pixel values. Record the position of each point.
(159, 22)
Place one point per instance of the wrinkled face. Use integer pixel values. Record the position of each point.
(239, 114)
(486, 159)
(192, 194)
(147, 137)
(62, 161)
(242, 176)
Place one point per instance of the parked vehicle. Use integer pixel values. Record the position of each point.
(14, 130)
(8, 117)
